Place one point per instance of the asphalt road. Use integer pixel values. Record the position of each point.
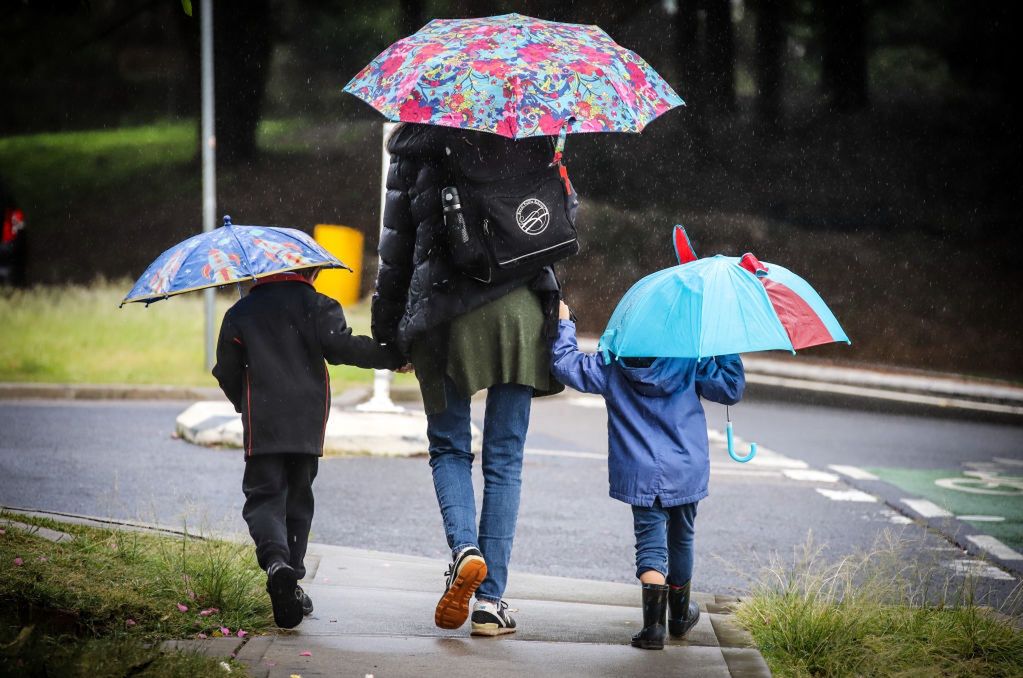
(118, 459)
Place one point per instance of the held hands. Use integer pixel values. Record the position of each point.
(405, 369)
(563, 311)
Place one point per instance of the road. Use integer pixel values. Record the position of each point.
(118, 459)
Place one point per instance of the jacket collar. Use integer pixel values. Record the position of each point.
(288, 276)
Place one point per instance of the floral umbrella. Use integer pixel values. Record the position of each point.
(515, 76)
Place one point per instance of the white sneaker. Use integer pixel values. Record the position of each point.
(491, 619)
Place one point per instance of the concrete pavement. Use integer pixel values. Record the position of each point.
(374, 616)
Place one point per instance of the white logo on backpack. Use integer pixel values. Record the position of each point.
(532, 216)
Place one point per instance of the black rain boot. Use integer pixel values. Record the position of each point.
(655, 609)
(683, 614)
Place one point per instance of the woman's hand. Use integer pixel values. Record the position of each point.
(563, 311)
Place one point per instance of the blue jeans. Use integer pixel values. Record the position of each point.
(664, 540)
(451, 457)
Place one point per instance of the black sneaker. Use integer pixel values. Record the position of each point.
(282, 585)
(465, 575)
(307, 602)
(491, 619)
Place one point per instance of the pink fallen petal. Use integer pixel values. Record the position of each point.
(225, 630)
(201, 636)
(19, 562)
(306, 653)
(129, 622)
(182, 608)
(43, 559)
(208, 611)
(191, 595)
(241, 634)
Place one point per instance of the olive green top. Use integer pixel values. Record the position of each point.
(498, 343)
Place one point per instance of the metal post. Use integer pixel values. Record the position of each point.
(209, 151)
(381, 400)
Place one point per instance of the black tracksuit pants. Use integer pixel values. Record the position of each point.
(279, 506)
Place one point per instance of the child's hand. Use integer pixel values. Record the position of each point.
(563, 311)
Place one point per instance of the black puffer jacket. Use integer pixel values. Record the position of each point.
(270, 363)
(417, 288)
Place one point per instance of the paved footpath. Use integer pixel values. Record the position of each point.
(374, 616)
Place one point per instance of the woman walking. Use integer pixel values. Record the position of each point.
(462, 336)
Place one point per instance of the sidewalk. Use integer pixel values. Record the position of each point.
(374, 616)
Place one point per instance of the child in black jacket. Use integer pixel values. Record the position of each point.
(270, 364)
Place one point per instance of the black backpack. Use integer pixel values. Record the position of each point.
(509, 225)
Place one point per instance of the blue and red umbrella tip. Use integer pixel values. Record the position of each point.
(753, 265)
(683, 246)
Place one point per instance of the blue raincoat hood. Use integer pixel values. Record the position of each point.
(656, 428)
(662, 378)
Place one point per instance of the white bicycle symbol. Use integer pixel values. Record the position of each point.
(984, 482)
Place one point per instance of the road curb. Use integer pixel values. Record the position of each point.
(796, 375)
(951, 528)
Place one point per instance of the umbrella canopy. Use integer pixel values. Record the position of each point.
(715, 306)
(515, 76)
(227, 255)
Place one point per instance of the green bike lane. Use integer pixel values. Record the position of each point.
(987, 496)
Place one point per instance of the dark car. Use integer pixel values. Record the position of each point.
(13, 243)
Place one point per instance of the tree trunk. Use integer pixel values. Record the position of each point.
(719, 55)
(241, 53)
(770, 47)
(706, 51)
(844, 53)
(411, 16)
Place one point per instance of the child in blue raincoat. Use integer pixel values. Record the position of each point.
(658, 461)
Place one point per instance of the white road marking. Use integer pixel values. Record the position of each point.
(846, 495)
(927, 509)
(595, 402)
(752, 472)
(896, 518)
(983, 519)
(977, 568)
(853, 472)
(995, 547)
(810, 475)
(573, 454)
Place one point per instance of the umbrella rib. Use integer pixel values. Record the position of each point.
(241, 248)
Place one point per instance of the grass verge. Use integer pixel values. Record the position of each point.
(77, 334)
(881, 613)
(99, 603)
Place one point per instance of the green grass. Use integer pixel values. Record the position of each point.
(103, 599)
(77, 334)
(882, 613)
(94, 160)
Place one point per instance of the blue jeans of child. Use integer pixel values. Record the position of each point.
(664, 540)
(451, 457)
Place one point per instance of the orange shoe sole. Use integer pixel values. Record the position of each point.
(453, 607)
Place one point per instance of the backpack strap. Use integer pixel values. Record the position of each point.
(559, 151)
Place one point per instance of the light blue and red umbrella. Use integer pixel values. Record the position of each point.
(717, 306)
(515, 76)
(227, 255)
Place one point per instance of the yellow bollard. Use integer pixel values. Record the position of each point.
(345, 243)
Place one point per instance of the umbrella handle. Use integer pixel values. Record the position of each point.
(731, 447)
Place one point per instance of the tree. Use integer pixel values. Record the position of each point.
(769, 50)
(843, 33)
(241, 54)
(706, 51)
